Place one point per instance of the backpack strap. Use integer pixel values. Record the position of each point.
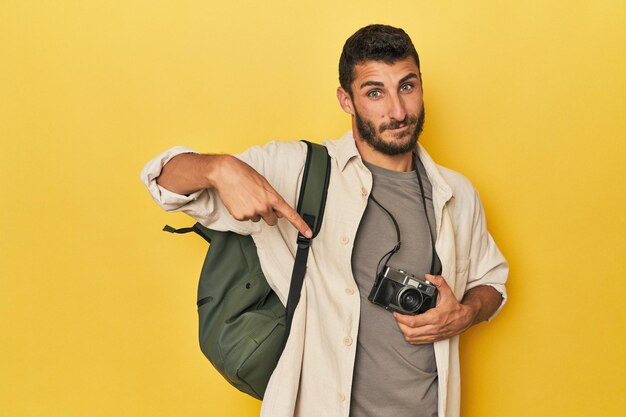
(311, 203)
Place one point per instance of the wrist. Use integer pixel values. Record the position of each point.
(472, 308)
(213, 165)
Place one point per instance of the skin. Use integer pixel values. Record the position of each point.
(387, 99)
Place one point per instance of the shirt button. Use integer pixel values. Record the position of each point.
(349, 291)
(363, 192)
(347, 340)
(341, 397)
(344, 240)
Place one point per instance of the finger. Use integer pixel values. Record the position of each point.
(270, 218)
(423, 339)
(411, 333)
(426, 334)
(442, 286)
(288, 212)
(436, 280)
(416, 321)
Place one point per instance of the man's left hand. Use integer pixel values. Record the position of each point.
(449, 318)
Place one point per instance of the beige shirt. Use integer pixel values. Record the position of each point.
(313, 377)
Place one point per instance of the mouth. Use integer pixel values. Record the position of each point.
(398, 128)
(399, 131)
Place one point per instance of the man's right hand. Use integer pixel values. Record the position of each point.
(246, 194)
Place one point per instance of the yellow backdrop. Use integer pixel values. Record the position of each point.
(97, 310)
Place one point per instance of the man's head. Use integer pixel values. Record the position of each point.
(381, 87)
(374, 43)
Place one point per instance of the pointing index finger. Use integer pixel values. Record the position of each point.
(285, 210)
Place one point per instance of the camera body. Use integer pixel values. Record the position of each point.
(399, 291)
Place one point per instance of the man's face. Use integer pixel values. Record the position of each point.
(388, 105)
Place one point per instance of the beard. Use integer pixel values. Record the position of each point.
(403, 141)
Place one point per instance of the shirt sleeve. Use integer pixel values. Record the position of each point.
(487, 264)
(166, 199)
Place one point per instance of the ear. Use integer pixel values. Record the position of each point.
(345, 101)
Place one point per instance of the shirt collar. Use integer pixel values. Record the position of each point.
(440, 186)
(346, 150)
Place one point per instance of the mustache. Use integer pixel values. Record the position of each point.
(409, 119)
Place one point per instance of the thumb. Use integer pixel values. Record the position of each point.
(439, 282)
(436, 280)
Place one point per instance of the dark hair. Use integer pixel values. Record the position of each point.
(374, 43)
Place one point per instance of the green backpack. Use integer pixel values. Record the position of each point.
(243, 326)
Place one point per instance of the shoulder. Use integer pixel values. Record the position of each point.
(464, 203)
(459, 184)
(275, 150)
(285, 155)
(447, 183)
(275, 157)
(333, 145)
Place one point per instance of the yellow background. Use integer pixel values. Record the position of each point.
(97, 305)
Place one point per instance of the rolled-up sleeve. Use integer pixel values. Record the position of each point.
(166, 199)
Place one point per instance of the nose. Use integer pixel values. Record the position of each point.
(396, 110)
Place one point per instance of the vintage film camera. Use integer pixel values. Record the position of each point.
(398, 291)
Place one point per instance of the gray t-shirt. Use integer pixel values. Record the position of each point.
(391, 376)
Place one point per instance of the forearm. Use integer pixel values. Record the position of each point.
(483, 301)
(190, 172)
(244, 192)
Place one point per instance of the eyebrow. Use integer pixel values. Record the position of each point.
(408, 77)
(381, 84)
(372, 83)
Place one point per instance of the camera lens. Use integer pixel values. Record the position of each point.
(409, 299)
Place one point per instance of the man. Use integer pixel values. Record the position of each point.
(347, 356)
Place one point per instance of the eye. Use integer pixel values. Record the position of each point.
(406, 87)
(374, 93)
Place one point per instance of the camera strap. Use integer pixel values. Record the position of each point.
(396, 248)
(430, 230)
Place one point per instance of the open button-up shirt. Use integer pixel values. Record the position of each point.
(313, 377)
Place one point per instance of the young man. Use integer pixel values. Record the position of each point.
(346, 355)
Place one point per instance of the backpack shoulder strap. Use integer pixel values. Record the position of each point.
(311, 203)
(315, 179)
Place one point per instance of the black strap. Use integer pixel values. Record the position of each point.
(321, 170)
(297, 279)
(182, 230)
(197, 228)
(433, 252)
